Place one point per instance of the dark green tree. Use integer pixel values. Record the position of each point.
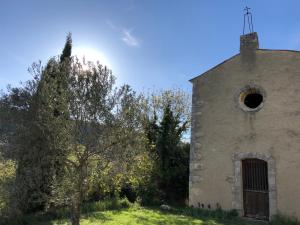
(170, 155)
(67, 51)
(173, 159)
(43, 144)
(151, 130)
(166, 121)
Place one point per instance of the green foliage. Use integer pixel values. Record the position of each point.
(178, 100)
(14, 113)
(43, 142)
(113, 204)
(284, 220)
(173, 157)
(102, 182)
(138, 180)
(170, 156)
(104, 133)
(67, 51)
(75, 137)
(142, 180)
(39, 135)
(7, 176)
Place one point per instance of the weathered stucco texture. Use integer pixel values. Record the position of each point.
(222, 131)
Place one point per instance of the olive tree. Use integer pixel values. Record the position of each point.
(104, 129)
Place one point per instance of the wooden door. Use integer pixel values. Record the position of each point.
(255, 188)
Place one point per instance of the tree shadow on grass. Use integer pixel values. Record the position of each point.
(96, 216)
(167, 221)
(50, 222)
(152, 216)
(203, 219)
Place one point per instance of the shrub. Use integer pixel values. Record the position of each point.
(125, 203)
(232, 214)
(128, 191)
(7, 176)
(284, 220)
(111, 204)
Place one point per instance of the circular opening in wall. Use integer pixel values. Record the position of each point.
(251, 98)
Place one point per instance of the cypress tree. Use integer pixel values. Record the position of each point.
(67, 51)
(45, 140)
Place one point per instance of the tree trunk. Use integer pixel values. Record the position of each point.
(75, 212)
(78, 196)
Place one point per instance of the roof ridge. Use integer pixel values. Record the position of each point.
(260, 49)
(191, 80)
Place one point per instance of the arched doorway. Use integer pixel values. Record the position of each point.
(255, 188)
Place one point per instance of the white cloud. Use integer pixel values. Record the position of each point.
(129, 39)
(126, 35)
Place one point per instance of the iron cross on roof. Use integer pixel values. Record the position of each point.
(247, 9)
(248, 19)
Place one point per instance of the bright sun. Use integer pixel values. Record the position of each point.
(91, 54)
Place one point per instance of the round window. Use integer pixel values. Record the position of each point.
(251, 98)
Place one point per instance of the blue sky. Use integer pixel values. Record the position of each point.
(148, 44)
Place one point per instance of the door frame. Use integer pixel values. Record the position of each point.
(237, 185)
(256, 188)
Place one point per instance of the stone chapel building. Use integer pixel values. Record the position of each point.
(245, 138)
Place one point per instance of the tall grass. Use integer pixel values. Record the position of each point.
(114, 204)
(206, 213)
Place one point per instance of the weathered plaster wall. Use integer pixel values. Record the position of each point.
(221, 129)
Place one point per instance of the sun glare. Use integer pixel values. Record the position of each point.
(91, 54)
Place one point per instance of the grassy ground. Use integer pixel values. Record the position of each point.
(122, 212)
(146, 216)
